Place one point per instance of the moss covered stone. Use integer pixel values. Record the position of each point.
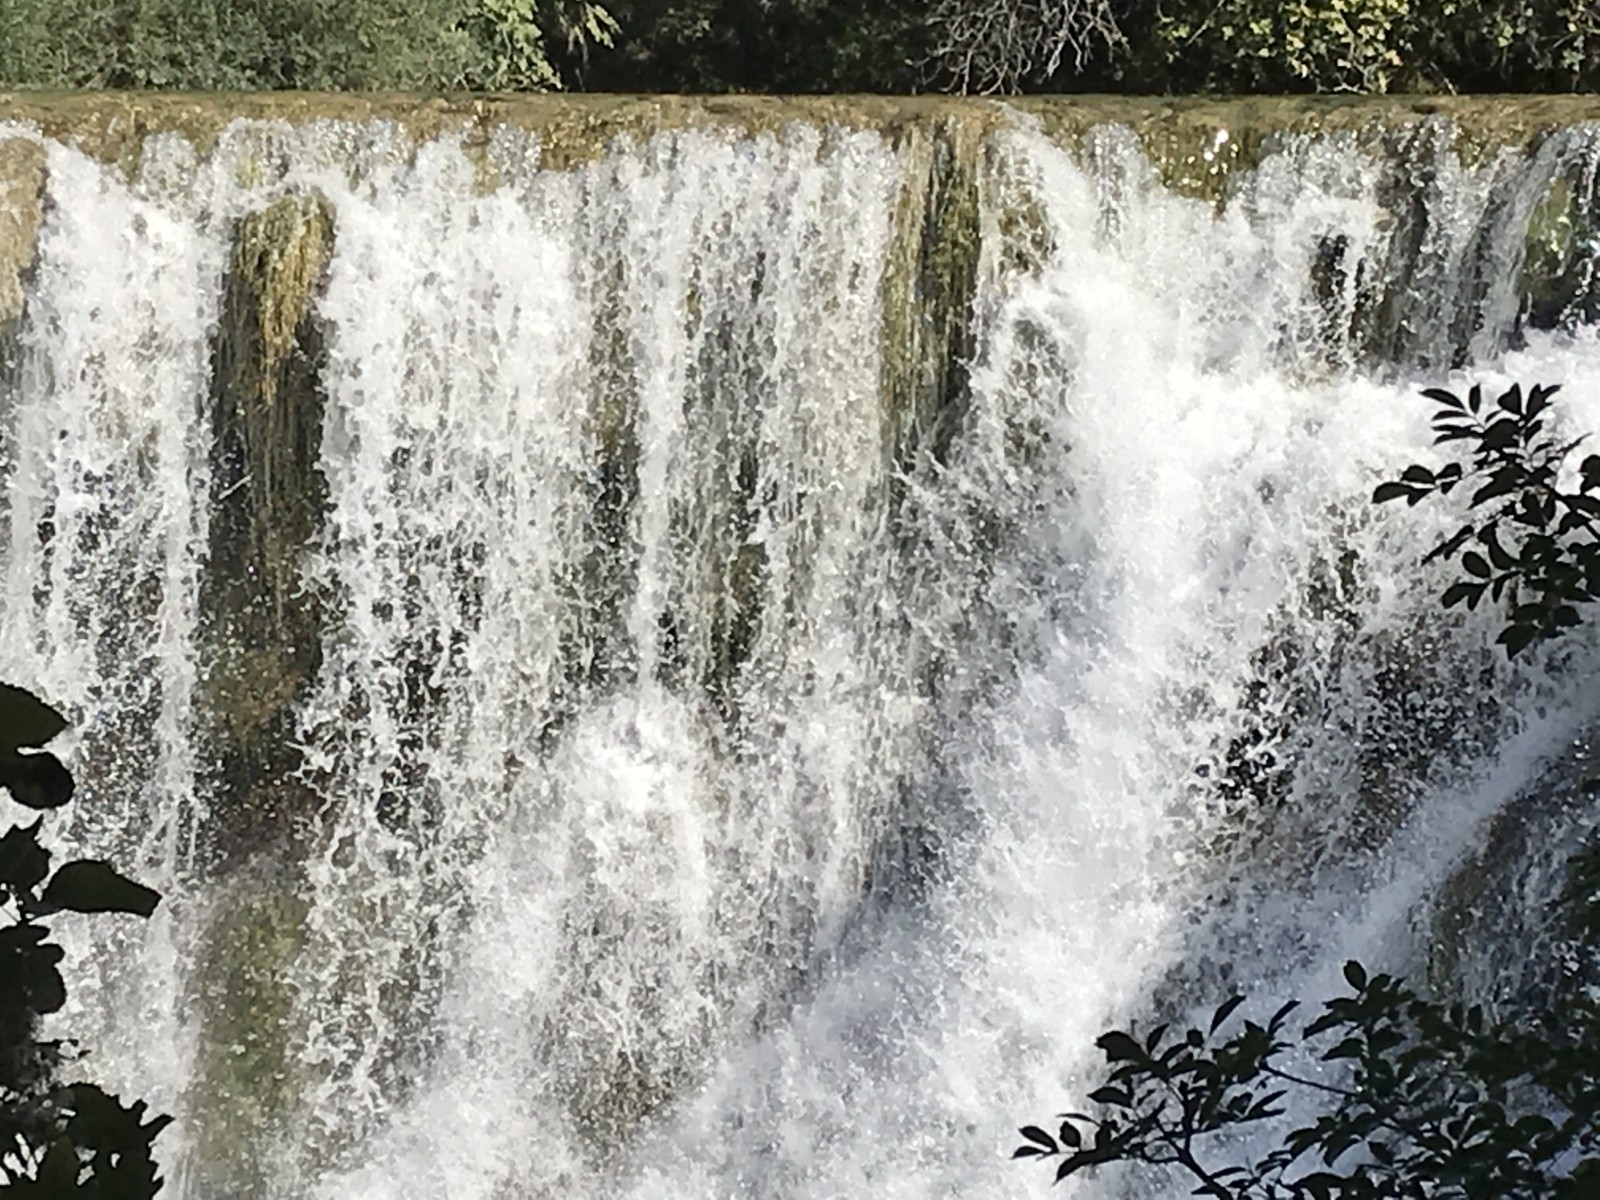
(245, 1080)
(577, 129)
(268, 495)
(21, 188)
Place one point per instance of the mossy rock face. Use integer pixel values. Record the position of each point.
(264, 629)
(1500, 934)
(1550, 238)
(245, 1083)
(929, 286)
(279, 256)
(571, 130)
(1557, 283)
(1177, 132)
(21, 193)
(1180, 134)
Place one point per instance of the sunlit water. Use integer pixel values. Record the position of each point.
(719, 797)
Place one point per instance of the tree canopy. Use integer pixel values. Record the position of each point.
(895, 46)
(243, 45)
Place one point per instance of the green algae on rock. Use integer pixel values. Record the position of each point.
(268, 498)
(21, 185)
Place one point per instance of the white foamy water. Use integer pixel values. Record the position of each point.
(715, 798)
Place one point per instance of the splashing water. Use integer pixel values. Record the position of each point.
(723, 783)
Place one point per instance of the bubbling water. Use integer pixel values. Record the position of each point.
(718, 793)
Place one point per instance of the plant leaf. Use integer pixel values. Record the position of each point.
(1119, 1047)
(26, 720)
(1517, 638)
(90, 885)
(1111, 1095)
(37, 780)
(1034, 1134)
(23, 862)
(1224, 1011)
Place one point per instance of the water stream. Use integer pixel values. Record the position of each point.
(720, 782)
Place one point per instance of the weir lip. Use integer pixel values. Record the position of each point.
(577, 128)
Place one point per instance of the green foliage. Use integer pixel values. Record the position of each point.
(1434, 1101)
(1289, 45)
(65, 1141)
(213, 45)
(1238, 46)
(773, 46)
(805, 45)
(1368, 46)
(1533, 544)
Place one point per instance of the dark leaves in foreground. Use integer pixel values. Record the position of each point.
(57, 1141)
(34, 777)
(1419, 1099)
(1533, 547)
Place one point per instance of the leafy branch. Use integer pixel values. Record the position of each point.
(56, 1142)
(1533, 545)
(1435, 1101)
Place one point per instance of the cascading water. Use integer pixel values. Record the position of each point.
(721, 751)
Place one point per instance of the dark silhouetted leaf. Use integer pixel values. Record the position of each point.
(1113, 1096)
(1119, 1047)
(30, 979)
(1450, 545)
(1498, 555)
(1502, 483)
(26, 720)
(23, 862)
(37, 781)
(1517, 638)
(90, 885)
(1224, 1012)
(118, 1140)
(1039, 1137)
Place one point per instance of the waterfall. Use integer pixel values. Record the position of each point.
(715, 666)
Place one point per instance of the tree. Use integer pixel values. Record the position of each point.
(72, 1140)
(769, 46)
(988, 46)
(1436, 1100)
(242, 45)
